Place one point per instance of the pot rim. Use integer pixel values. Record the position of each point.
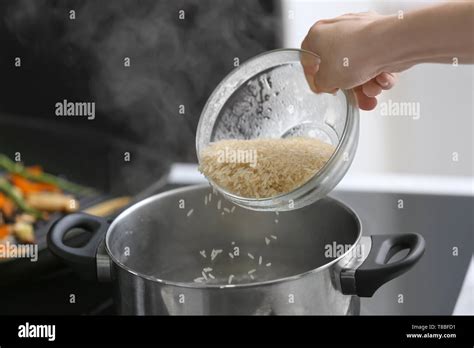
(196, 285)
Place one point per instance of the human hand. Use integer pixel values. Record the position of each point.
(351, 57)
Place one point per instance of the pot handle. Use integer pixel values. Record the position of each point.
(375, 270)
(82, 258)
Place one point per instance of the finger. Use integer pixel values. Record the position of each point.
(364, 102)
(309, 59)
(371, 88)
(386, 80)
(310, 79)
(321, 88)
(310, 63)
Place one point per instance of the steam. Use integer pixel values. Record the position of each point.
(173, 62)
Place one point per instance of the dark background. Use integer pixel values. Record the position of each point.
(173, 62)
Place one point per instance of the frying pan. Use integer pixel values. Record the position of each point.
(83, 155)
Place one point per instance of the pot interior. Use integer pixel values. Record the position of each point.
(194, 235)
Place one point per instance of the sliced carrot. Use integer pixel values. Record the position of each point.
(6, 205)
(4, 231)
(35, 170)
(28, 186)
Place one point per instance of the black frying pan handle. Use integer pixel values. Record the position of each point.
(82, 258)
(376, 271)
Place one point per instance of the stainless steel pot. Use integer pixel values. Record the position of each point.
(188, 251)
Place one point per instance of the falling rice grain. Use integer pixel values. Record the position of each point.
(207, 269)
(268, 264)
(219, 204)
(230, 278)
(252, 271)
(210, 197)
(203, 253)
(189, 212)
(205, 200)
(233, 209)
(250, 255)
(260, 260)
(267, 241)
(231, 255)
(211, 276)
(227, 210)
(199, 280)
(273, 236)
(251, 277)
(214, 253)
(276, 221)
(204, 275)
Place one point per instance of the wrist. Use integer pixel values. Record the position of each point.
(393, 49)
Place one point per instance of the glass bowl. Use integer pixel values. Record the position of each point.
(269, 97)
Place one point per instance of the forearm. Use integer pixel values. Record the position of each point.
(434, 34)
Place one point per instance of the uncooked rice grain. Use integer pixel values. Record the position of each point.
(280, 166)
(214, 253)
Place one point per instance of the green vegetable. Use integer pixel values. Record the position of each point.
(18, 168)
(9, 190)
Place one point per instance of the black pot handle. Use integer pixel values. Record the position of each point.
(376, 271)
(82, 258)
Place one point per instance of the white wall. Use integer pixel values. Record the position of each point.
(400, 145)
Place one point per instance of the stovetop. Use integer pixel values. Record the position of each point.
(431, 287)
(446, 222)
